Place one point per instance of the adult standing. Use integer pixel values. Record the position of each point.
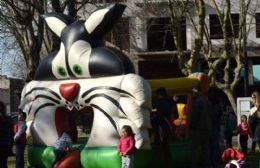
(6, 136)
(230, 126)
(20, 139)
(254, 96)
(164, 103)
(215, 132)
(254, 121)
(200, 129)
(161, 126)
(223, 118)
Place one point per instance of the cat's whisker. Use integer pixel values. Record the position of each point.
(42, 106)
(29, 111)
(107, 115)
(47, 97)
(111, 99)
(43, 89)
(86, 93)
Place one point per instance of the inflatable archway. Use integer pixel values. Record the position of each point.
(84, 73)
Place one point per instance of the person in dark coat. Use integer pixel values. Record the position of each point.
(254, 121)
(215, 129)
(164, 104)
(162, 129)
(6, 136)
(200, 127)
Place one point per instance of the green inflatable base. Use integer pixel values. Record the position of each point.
(107, 157)
(100, 157)
(42, 156)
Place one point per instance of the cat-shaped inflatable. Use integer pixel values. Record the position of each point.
(83, 74)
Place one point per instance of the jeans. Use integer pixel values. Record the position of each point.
(128, 161)
(19, 154)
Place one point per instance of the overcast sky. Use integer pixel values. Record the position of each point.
(11, 62)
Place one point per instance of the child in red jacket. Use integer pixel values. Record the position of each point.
(126, 147)
(20, 139)
(244, 132)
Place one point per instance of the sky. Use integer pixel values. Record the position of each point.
(11, 61)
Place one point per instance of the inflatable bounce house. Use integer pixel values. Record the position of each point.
(180, 144)
(85, 74)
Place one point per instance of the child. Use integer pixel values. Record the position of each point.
(126, 147)
(61, 147)
(243, 131)
(233, 158)
(20, 139)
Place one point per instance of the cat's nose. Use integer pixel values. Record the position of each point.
(69, 91)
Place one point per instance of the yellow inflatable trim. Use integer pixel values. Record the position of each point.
(174, 85)
(181, 110)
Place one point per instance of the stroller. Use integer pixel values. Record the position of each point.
(233, 158)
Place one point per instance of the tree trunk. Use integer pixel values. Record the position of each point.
(231, 99)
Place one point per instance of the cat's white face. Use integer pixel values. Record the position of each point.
(116, 101)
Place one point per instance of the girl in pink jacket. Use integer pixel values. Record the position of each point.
(126, 147)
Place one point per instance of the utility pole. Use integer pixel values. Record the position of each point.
(245, 49)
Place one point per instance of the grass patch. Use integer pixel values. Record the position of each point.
(252, 158)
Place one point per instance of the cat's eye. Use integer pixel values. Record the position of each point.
(62, 71)
(77, 69)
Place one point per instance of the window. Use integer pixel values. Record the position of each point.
(164, 69)
(256, 73)
(119, 35)
(216, 30)
(257, 26)
(160, 35)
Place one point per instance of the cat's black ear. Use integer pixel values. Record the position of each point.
(102, 20)
(57, 22)
(44, 70)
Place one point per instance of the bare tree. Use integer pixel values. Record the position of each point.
(22, 19)
(230, 56)
(10, 59)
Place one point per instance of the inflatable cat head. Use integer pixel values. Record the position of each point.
(80, 54)
(85, 74)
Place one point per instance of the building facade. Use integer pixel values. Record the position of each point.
(10, 93)
(145, 34)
